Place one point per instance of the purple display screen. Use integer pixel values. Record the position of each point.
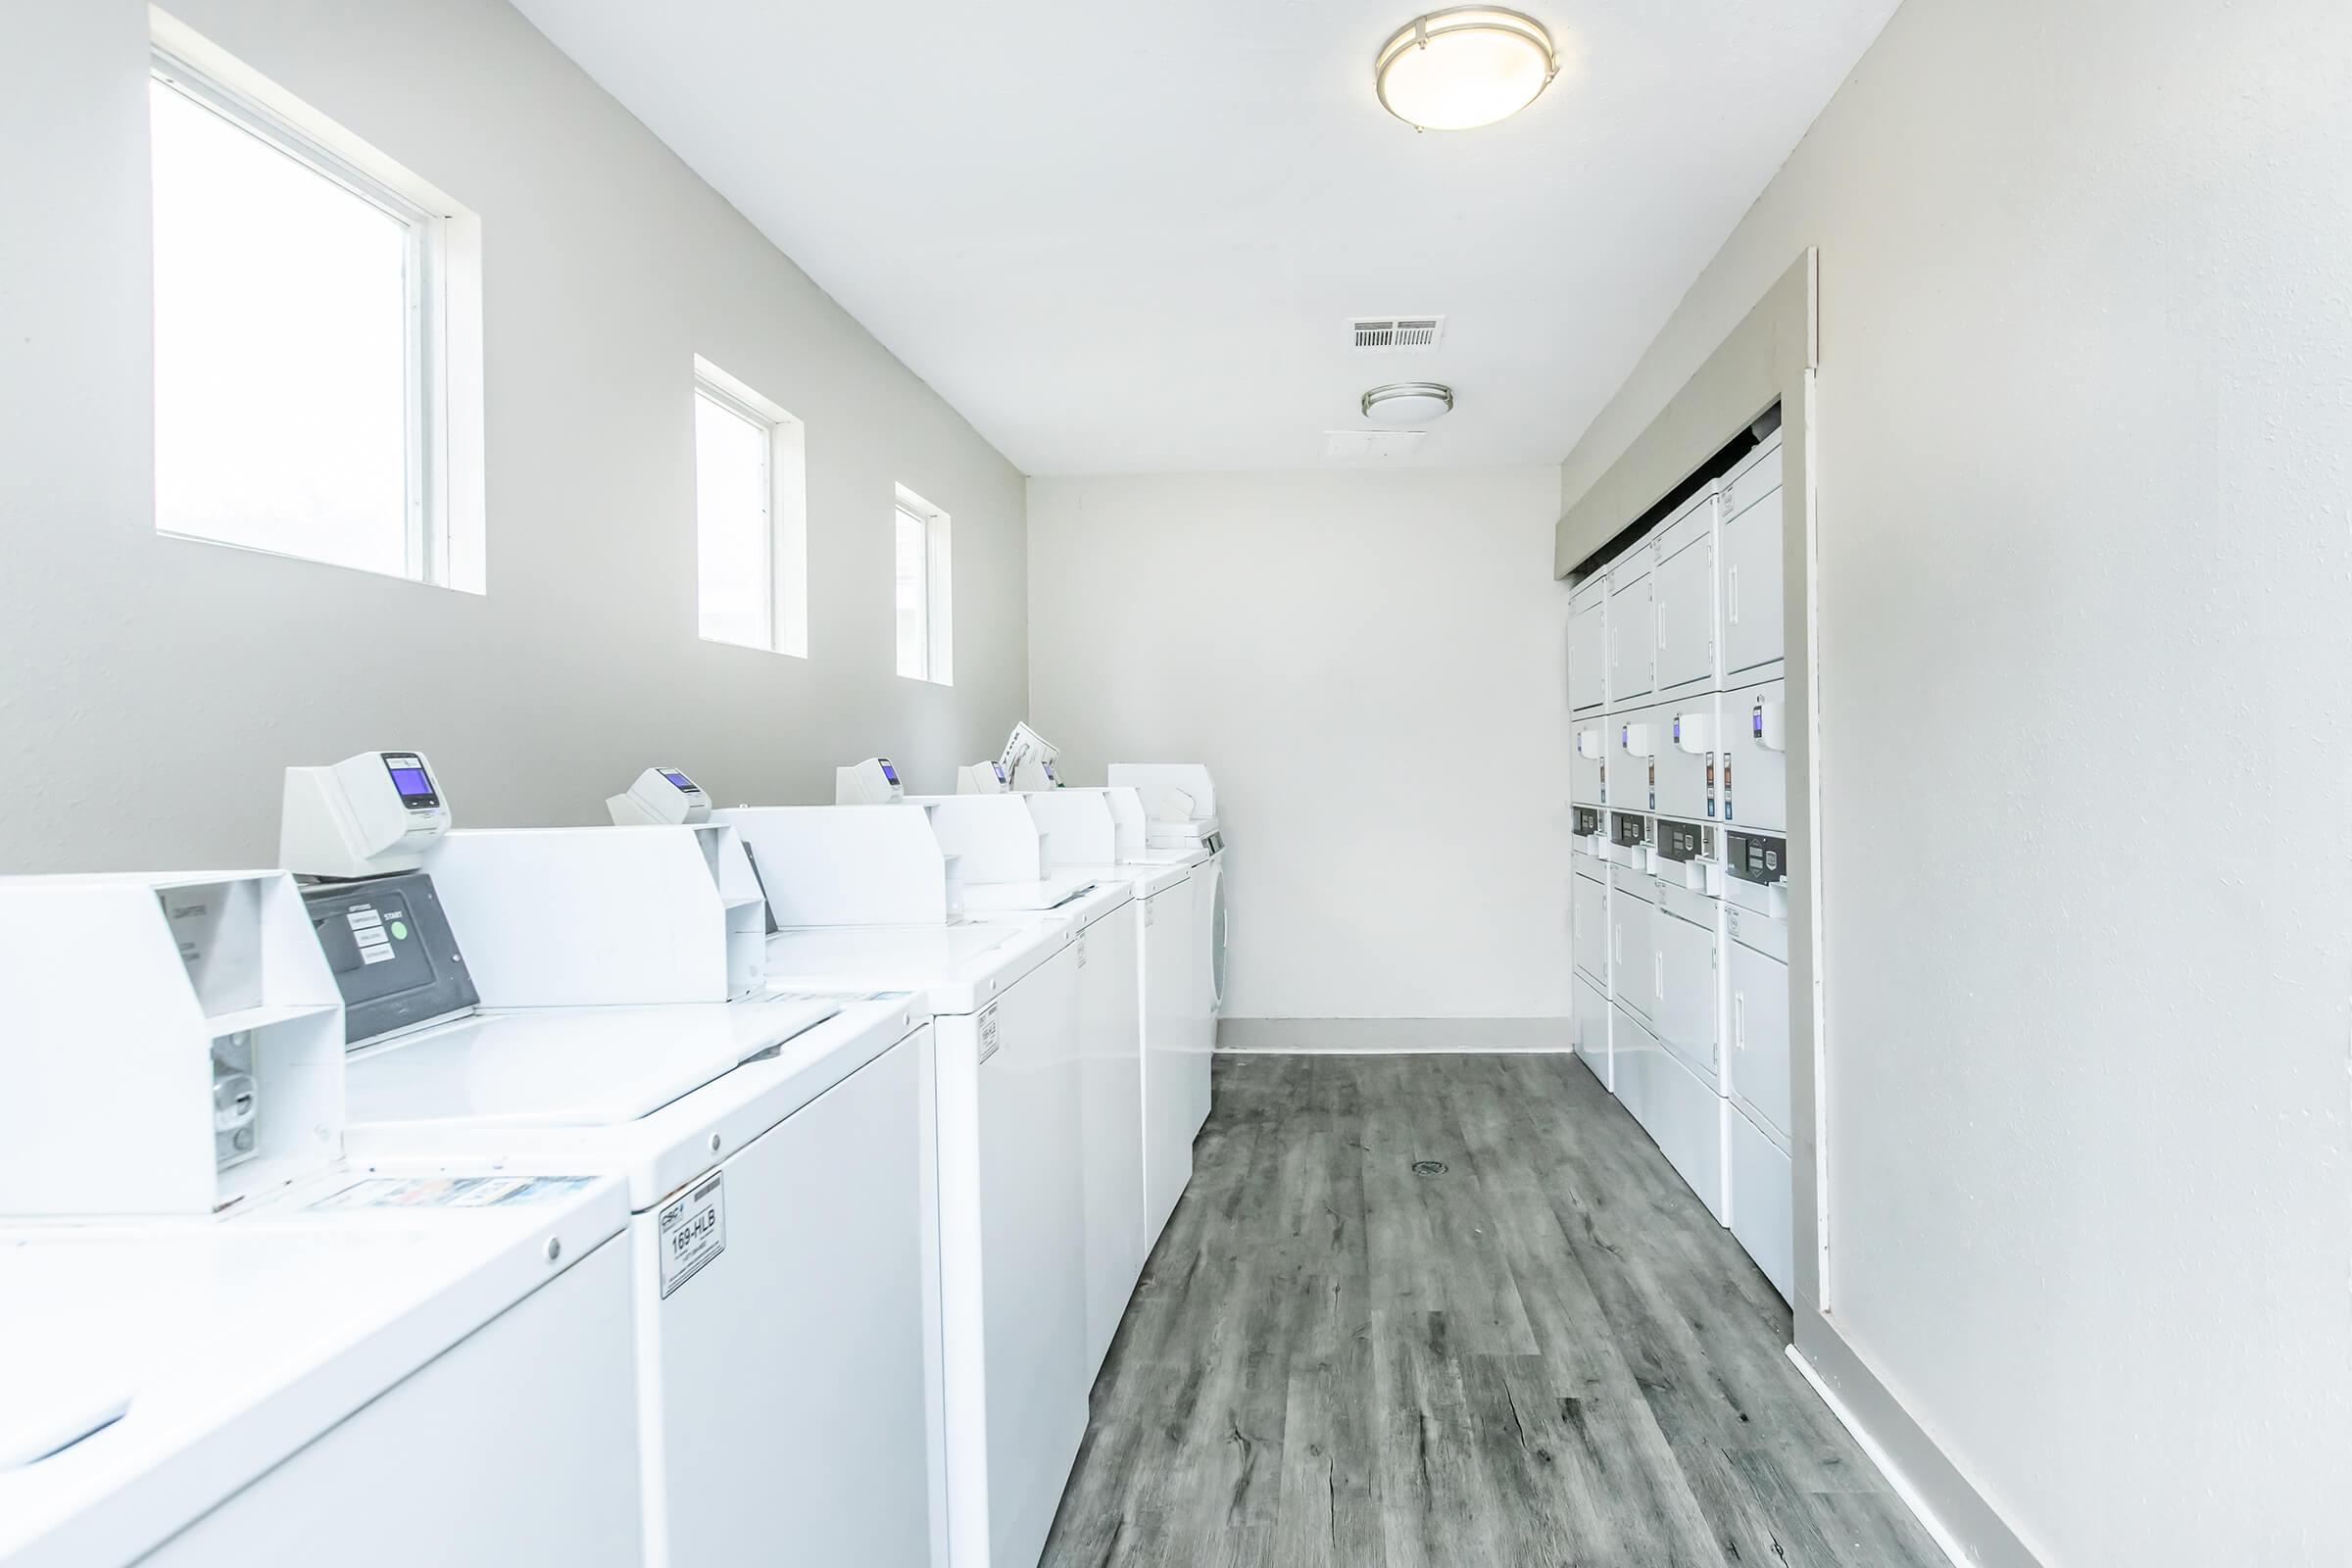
(411, 781)
(890, 773)
(677, 778)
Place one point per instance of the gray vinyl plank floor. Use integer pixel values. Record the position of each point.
(1448, 1311)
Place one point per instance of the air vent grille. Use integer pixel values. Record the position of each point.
(1377, 333)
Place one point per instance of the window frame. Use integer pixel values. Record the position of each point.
(939, 589)
(784, 541)
(445, 502)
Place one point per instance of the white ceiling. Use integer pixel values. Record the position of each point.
(1125, 237)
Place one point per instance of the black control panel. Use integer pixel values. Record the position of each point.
(393, 955)
(1588, 821)
(1756, 859)
(1685, 841)
(1629, 829)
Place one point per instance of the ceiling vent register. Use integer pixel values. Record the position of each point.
(1388, 332)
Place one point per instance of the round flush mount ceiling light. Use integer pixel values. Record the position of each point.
(1464, 67)
(1407, 402)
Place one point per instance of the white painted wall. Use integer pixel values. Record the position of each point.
(1373, 666)
(155, 688)
(2086, 645)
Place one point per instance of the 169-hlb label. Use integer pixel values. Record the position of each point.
(693, 1230)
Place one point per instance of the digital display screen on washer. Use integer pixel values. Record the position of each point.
(1678, 840)
(681, 780)
(1587, 822)
(889, 774)
(1629, 830)
(409, 777)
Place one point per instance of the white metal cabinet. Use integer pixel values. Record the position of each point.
(1110, 1120)
(1589, 934)
(1633, 942)
(1683, 592)
(1762, 1193)
(1589, 1016)
(1168, 980)
(517, 1445)
(1589, 646)
(1756, 984)
(1687, 956)
(842, 1324)
(1755, 756)
(1751, 555)
(1633, 634)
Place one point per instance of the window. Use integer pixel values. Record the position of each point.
(924, 598)
(750, 513)
(311, 302)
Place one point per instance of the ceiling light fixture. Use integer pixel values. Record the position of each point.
(1464, 67)
(1407, 402)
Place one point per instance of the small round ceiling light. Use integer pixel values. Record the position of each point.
(1407, 403)
(1464, 67)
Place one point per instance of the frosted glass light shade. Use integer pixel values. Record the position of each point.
(1461, 69)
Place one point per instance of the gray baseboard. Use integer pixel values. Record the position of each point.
(1369, 1035)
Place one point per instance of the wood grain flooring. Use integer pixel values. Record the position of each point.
(1451, 1312)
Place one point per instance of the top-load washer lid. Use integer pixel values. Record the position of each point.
(1095, 899)
(567, 1066)
(1142, 877)
(960, 966)
(1046, 893)
(160, 1366)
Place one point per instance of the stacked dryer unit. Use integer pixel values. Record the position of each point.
(1588, 803)
(1759, 1175)
(1678, 899)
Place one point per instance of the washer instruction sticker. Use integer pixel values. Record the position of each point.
(1081, 950)
(451, 1192)
(988, 1034)
(692, 1231)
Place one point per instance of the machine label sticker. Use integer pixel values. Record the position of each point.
(692, 1231)
(451, 1192)
(1081, 950)
(988, 1034)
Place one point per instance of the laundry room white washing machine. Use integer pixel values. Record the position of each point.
(1009, 1170)
(1105, 922)
(787, 1353)
(428, 1381)
(1182, 824)
(1012, 1204)
(220, 1341)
